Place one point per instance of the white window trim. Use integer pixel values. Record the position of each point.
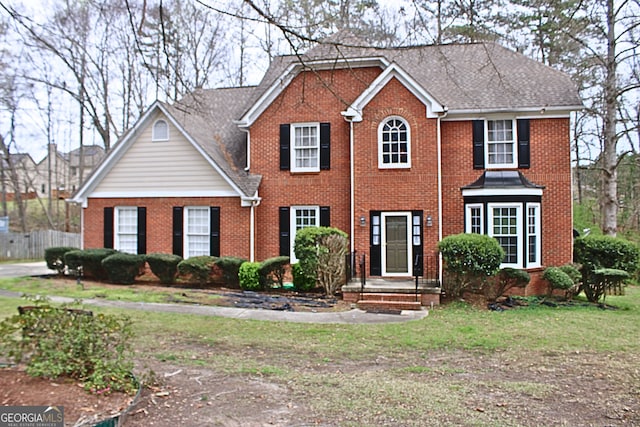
(538, 235)
(468, 224)
(116, 227)
(519, 230)
(154, 136)
(292, 143)
(514, 127)
(185, 228)
(381, 164)
(292, 226)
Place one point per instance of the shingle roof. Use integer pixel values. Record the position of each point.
(207, 116)
(463, 77)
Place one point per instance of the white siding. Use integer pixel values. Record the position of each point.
(162, 167)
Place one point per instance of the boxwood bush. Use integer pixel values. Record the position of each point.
(557, 279)
(507, 278)
(164, 266)
(249, 276)
(54, 258)
(302, 282)
(230, 267)
(123, 268)
(90, 260)
(470, 259)
(197, 269)
(272, 271)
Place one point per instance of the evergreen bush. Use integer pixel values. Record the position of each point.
(249, 276)
(54, 258)
(164, 266)
(197, 269)
(272, 271)
(507, 278)
(230, 267)
(557, 279)
(470, 259)
(123, 268)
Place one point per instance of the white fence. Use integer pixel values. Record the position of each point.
(32, 245)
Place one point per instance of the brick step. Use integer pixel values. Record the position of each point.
(372, 305)
(378, 296)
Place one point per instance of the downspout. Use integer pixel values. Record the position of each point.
(255, 202)
(439, 149)
(352, 185)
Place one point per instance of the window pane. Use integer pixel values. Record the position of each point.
(500, 141)
(197, 231)
(533, 234)
(505, 230)
(394, 142)
(306, 147)
(127, 229)
(305, 218)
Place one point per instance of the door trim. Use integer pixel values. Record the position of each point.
(383, 241)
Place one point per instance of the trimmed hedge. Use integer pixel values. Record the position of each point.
(506, 279)
(123, 268)
(55, 257)
(197, 269)
(230, 267)
(164, 266)
(470, 258)
(249, 276)
(90, 260)
(272, 270)
(557, 279)
(301, 281)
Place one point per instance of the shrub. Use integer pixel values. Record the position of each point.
(272, 270)
(605, 279)
(301, 281)
(506, 279)
(249, 276)
(575, 276)
(230, 267)
(557, 279)
(604, 252)
(321, 252)
(90, 260)
(63, 342)
(55, 258)
(470, 259)
(164, 266)
(123, 268)
(197, 269)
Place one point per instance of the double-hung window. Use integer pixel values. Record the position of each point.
(196, 231)
(501, 144)
(302, 217)
(126, 229)
(516, 227)
(305, 142)
(394, 144)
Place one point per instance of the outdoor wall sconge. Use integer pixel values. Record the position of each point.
(429, 221)
(363, 221)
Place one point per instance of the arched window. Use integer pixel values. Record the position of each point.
(160, 131)
(394, 144)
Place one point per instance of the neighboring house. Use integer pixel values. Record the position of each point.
(61, 171)
(26, 171)
(397, 147)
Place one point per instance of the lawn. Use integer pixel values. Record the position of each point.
(459, 366)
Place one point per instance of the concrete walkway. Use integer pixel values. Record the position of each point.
(351, 316)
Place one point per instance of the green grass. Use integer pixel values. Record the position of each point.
(434, 371)
(71, 289)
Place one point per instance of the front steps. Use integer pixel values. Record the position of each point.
(391, 295)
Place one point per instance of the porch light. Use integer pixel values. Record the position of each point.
(363, 221)
(429, 221)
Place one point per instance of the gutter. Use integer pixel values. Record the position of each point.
(439, 149)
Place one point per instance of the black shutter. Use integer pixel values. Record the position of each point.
(142, 230)
(478, 144)
(214, 229)
(418, 249)
(285, 242)
(325, 216)
(325, 146)
(524, 151)
(178, 240)
(108, 228)
(375, 250)
(285, 147)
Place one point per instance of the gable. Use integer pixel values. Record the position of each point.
(162, 169)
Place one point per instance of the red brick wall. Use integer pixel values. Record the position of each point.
(308, 98)
(234, 222)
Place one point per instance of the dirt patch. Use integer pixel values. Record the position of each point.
(80, 407)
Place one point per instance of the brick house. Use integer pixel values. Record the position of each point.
(397, 147)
